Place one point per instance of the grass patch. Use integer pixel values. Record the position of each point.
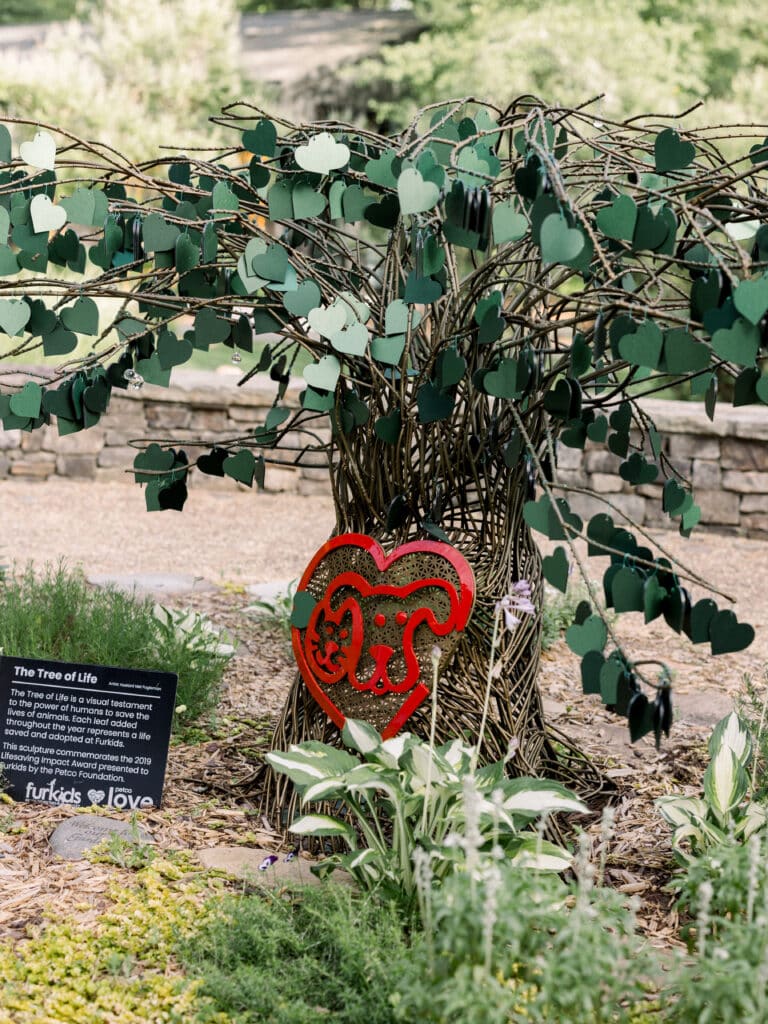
(18, 12)
(318, 954)
(57, 616)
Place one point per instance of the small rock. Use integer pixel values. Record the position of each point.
(74, 836)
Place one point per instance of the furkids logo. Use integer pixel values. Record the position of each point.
(51, 795)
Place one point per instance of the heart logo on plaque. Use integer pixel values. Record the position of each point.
(365, 648)
(96, 796)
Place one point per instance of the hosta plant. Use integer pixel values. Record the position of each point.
(196, 631)
(725, 811)
(402, 794)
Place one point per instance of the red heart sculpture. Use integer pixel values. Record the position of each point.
(367, 646)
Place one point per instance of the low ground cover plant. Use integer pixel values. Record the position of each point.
(56, 615)
(121, 968)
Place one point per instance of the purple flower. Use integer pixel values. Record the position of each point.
(516, 603)
(268, 862)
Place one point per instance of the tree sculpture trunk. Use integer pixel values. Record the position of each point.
(482, 514)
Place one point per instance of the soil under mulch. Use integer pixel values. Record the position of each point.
(211, 794)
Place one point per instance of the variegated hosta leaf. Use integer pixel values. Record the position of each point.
(696, 838)
(755, 818)
(540, 855)
(373, 778)
(333, 786)
(299, 769)
(391, 750)
(196, 630)
(423, 763)
(361, 736)
(680, 810)
(325, 868)
(725, 782)
(492, 815)
(457, 754)
(413, 806)
(539, 796)
(732, 732)
(701, 836)
(361, 858)
(491, 775)
(323, 825)
(309, 762)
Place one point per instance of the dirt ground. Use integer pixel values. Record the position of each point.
(223, 535)
(241, 538)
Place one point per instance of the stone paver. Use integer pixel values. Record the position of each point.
(73, 837)
(256, 865)
(156, 584)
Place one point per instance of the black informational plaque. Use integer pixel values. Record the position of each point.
(84, 734)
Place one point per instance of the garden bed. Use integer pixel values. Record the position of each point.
(212, 793)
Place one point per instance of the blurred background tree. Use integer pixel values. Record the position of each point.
(662, 55)
(136, 76)
(155, 70)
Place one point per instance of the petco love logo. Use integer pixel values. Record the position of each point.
(365, 649)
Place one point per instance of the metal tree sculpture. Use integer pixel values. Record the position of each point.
(460, 298)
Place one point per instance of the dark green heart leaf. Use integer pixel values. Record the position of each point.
(590, 635)
(555, 568)
(727, 635)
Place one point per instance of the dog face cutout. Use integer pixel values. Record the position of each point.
(366, 650)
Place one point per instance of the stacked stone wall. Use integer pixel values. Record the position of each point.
(727, 460)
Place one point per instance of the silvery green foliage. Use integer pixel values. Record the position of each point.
(405, 796)
(724, 811)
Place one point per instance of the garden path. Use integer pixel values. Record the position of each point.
(228, 535)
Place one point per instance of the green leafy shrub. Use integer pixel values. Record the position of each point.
(752, 707)
(568, 50)
(14, 12)
(505, 946)
(316, 954)
(406, 796)
(511, 946)
(732, 873)
(720, 839)
(57, 616)
(727, 980)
